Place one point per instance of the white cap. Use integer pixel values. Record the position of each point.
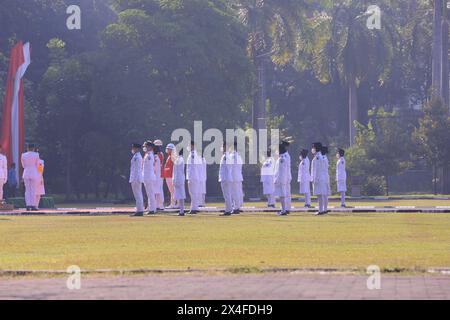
(170, 146)
(158, 143)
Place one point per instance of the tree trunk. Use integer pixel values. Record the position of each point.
(437, 48)
(261, 121)
(352, 109)
(445, 64)
(435, 179)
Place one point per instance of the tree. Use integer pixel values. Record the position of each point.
(431, 137)
(353, 52)
(384, 146)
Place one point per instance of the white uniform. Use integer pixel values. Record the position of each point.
(179, 179)
(267, 179)
(289, 197)
(236, 173)
(281, 177)
(226, 181)
(30, 162)
(341, 175)
(327, 173)
(318, 175)
(149, 179)
(136, 180)
(304, 176)
(193, 175)
(204, 178)
(3, 173)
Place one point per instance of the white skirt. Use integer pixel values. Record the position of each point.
(268, 188)
(179, 192)
(305, 187)
(282, 190)
(159, 186)
(342, 186)
(320, 188)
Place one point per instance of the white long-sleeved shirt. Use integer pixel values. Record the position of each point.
(148, 168)
(268, 170)
(341, 173)
(236, 168)
(194, 167)
(304, 174)
(178, 176)
(225, 169)
(136, 168)
(281, 175)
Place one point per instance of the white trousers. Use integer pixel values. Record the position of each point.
(30, 192)
(195, 193)
(227, 195)
(289, 198)
(138, 196)
(150, 190)
(237, 195)
(1, 190)
(270, 199)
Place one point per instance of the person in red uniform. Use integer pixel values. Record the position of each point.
(168, 173)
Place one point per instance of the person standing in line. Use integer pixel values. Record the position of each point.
(318, 177)
(267, 179)
(238, 179)
(341, 176)
(281, 180)
(304, 177)
(193, 175)
(286, 145)
(226, 180)
(168, 173)
(30, 162)
(327, 175)
(136, 178)
(204, 179)
(149, 176)
(179, 180)
(40, 188)
(3, 172)
(159, 160)
(12, 181)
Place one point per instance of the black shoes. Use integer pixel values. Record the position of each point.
(193, 212)
(227, 214)
(138, 214)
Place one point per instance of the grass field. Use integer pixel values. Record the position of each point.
(207, 241)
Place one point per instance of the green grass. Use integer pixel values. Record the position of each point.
(333, 202)
(207, 241)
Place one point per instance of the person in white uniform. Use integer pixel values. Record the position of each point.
(281, 179)
(327, 172)
(288, 159)
(30, 162)
(204, 178)
(136, 178)
(304, 177)
(149, 176)
(193, 175)
(179, 181)
(341, 175)
(267, 179)
(318, 177)
(226, 180)
(3, 172)
(238, 179)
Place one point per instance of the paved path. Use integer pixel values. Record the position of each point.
(266, 286)
(128, 211)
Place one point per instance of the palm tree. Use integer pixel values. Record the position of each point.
(274, 28)
(352, 52)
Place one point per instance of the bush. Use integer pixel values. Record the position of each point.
(374, 186)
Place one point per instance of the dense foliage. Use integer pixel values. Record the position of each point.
(139, 69)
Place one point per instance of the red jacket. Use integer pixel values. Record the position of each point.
(168, 169)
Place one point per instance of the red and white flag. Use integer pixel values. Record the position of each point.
(13, 135)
